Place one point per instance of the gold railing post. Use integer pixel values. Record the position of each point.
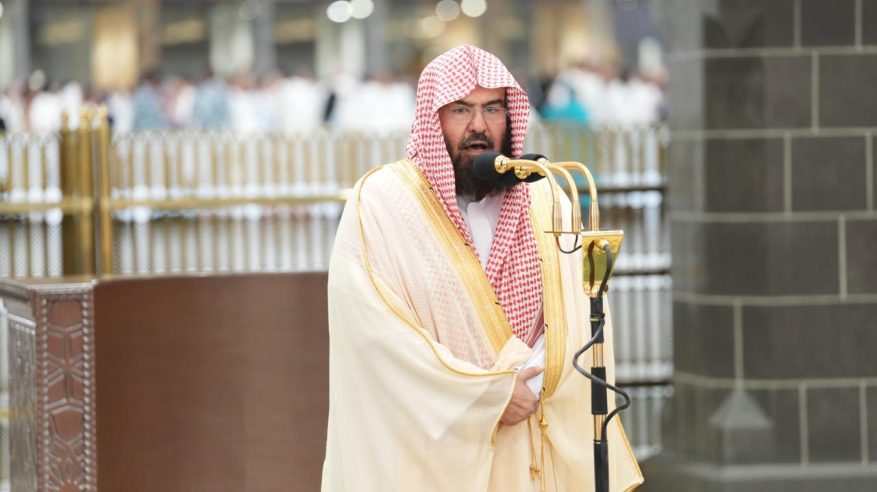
(64, 165)
(69, 190)
(85, 168)
(76, 185)
(104, 211)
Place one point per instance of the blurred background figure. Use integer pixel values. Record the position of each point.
(11, 108)
(44, 105)
(380, 103)
(180, 101)
(148, 102)
(211, 109)
(243, 104)
(302, 102)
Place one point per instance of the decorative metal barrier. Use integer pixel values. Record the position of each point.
(82, 202)
(85, 202)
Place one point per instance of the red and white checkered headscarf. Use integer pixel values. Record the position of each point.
(513, 263)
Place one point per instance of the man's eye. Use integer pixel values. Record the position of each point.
(493, 110)
(460, 110)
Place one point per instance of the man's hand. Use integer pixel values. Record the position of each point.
(523, 402)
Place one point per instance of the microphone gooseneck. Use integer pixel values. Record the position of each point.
(485, 168)
(532, 157)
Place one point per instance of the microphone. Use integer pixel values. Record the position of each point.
(484, 167)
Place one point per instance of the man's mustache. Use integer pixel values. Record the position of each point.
(479, 138)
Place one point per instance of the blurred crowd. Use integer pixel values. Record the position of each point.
(601, 95)
(242, 103)
(583, 94)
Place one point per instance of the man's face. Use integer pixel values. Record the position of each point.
(471, 126)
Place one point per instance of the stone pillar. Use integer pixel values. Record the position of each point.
(771, 184)
(265, 52)
(376, 38)
(231, 40)
(149, 27)
(341, 48)
(14, 41)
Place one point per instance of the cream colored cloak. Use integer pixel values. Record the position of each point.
(422, 358)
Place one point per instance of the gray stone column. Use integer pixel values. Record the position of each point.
(376, 38)
(149, 25)
(14, 41)
(264, 50)
(771, 184)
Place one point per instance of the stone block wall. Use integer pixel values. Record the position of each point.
(771, 186)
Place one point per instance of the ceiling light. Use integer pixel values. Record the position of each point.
(360, 9)
(431, 26)
(473, 8)
(339, 11)
(447, 10)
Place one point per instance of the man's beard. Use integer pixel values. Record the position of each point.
(467, 182)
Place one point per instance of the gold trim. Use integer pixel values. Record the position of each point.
(186, 203)
(493, 319)
(630, 455)
(552, 292)
(69, 205)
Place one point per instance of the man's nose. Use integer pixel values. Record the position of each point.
(477, 124)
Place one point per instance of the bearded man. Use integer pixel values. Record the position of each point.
(453, 317)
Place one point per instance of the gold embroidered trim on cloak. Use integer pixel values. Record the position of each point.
(630, 455)
(493, 320)
(552, 293)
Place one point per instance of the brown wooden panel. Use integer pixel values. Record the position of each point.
(211, 383)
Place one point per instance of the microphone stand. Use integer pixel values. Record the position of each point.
(602, 248)
(597, 376)
(601, 245)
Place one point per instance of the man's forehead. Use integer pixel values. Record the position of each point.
(481, 95)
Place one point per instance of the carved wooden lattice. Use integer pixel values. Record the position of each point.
(66, 446)
(23, 403)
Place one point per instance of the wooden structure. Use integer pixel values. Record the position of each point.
(215, 383)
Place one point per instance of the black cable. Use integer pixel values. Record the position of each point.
(597, 335)
(577, 245)
(624, 395)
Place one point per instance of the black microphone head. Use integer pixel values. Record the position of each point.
(484, 167)
(533, 157)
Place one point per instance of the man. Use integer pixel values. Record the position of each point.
(441, 291)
